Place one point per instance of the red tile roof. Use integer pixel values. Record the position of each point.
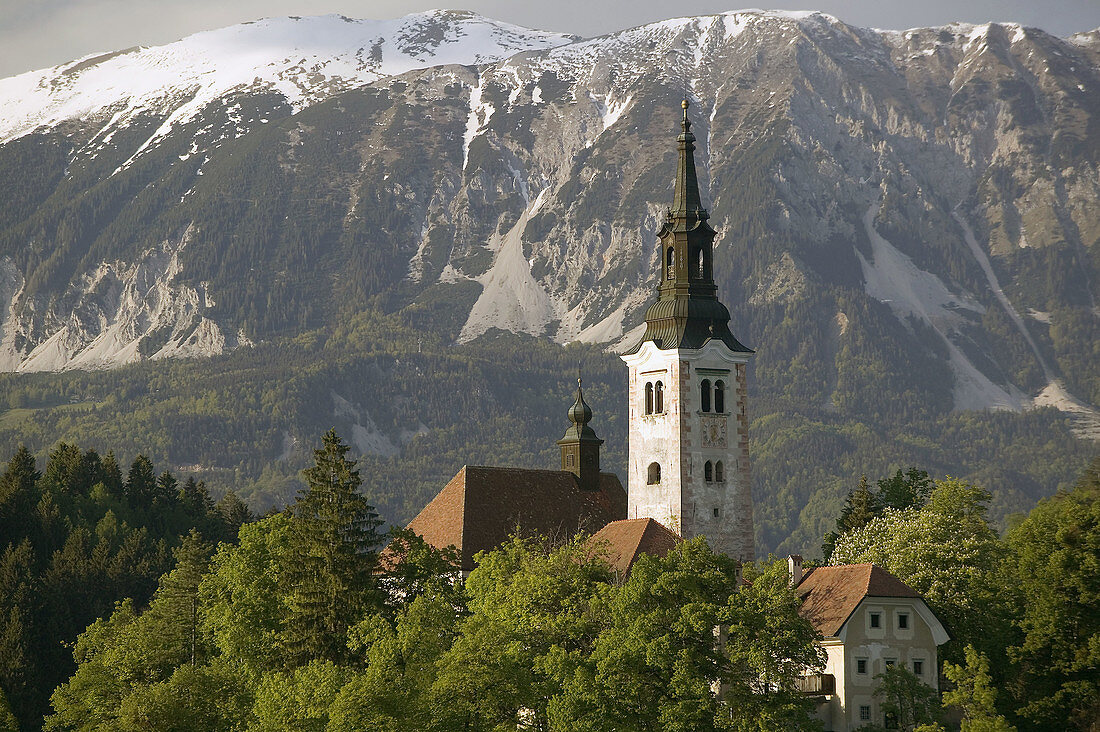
(831, 594)
(482, 506)
(621, 542)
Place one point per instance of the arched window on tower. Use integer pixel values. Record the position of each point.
(704, 395)
(659, 398)
(654, 474)
(719, 396)
(719, 472)
(700, 272)
(670, 261)
(708, 472)
(649, 397)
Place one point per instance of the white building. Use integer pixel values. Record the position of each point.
(869, 620)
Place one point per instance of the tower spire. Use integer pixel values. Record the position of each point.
(687, 312)
(686, 200)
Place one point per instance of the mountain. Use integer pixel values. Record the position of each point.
(909, 234)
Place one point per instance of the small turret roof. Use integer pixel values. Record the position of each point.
(580, 414)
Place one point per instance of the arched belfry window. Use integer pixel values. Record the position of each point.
(659, 398)
(719, 396)
(704, 395)
(649, 397)
(708, 472)
(670, 261)
(719, 472)
(654, 474)
(700, 271)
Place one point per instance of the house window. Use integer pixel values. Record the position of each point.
(891, 662)
(865, 713)
(903, 621)
(649, 397)
(876, 620)
(918, 667)
(717, 512)
(719, 396)
(659, 398)
(708, 472)
(861, 666)
(704, 395)
(654, 475)
(719, 472)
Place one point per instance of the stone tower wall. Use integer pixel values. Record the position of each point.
(684, 438)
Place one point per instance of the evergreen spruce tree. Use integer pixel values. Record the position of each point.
(111, 474)
(64, 470)
(905, 490)
(177, 599)
(141, 483)
(860, 507)
(18, 496)
(328, 578)
(234, 513)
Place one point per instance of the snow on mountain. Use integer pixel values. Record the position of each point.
(305, 59)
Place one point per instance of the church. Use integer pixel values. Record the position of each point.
(688, 475)
(688, 431)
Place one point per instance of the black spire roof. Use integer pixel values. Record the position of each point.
(687, 312)
(580, 414)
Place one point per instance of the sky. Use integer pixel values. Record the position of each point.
(39, 33)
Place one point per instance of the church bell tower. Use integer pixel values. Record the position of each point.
(689, 454)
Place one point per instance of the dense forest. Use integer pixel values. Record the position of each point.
(302, 621)
(74, 539)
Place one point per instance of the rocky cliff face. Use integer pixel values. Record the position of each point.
(907, 220)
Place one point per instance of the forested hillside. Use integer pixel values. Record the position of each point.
(234, 421)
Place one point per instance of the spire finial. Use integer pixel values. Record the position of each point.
(686, 124)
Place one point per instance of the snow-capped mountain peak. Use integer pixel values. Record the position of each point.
(302, 58)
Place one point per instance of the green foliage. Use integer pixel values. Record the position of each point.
(243, 611)
(418, 569)
(973, 694)
(73, 544)
(902, 491)
(769, 646)
(860, 507)
(1056, 553)
(8, 722)
(947, 552)
(905, 699)
(679, 629)
(533, 614)
(329, 568)
(298, 700)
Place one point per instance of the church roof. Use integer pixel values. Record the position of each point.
(622, 542)
(831, 594)
(482, 506)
